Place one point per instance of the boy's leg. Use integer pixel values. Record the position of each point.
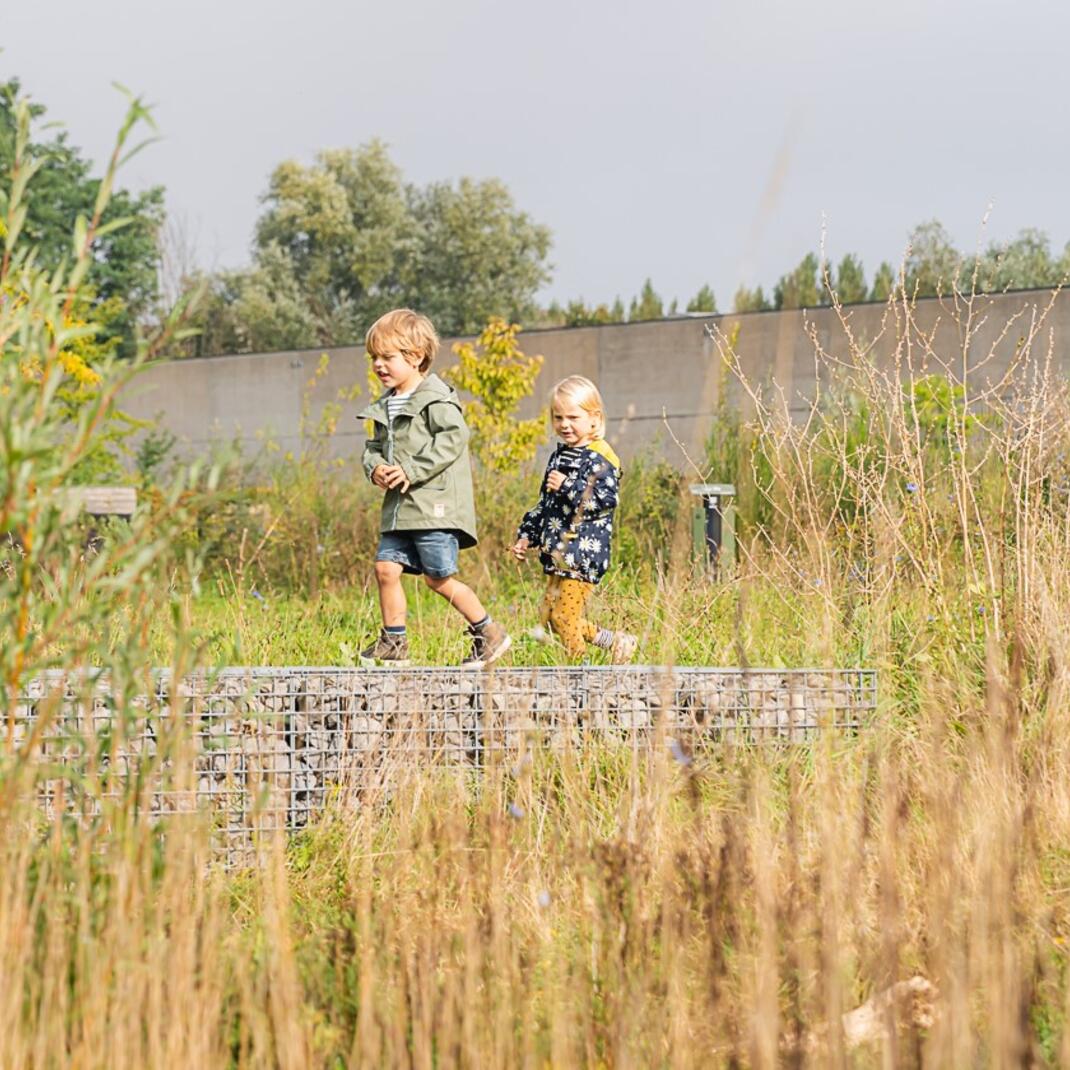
(438, 560)
(391, 593)
(459, 595)
(489, 639)
(392, 645)
(566, 616)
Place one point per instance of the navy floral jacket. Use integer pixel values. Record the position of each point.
(573, 526)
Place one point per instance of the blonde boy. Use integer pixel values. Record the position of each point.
(418, 456)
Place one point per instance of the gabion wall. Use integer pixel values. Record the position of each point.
(270, 745)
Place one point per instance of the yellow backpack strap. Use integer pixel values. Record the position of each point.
(601, 446)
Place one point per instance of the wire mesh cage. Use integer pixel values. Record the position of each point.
(263, 749)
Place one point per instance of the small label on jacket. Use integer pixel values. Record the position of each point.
(440, 510)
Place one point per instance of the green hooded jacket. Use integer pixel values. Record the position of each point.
(429, 440)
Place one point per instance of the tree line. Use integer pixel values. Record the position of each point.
(346, 237)
(932, 266)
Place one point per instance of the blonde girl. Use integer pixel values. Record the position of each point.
(572, 522)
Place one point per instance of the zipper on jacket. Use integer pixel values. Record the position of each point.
(390, 460)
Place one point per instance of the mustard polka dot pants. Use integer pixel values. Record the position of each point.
(562, 610)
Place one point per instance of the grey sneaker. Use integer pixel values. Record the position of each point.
(623, 648)
(391, 650)
(488, 644)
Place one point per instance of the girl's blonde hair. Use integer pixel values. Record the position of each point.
(581, 391)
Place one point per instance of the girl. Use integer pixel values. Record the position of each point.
(572, 524)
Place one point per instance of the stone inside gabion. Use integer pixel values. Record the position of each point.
(271, 747)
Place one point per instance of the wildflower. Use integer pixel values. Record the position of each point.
(912, 488)
(515, 811)
(258, 596)
(76, 367)
(543, 899)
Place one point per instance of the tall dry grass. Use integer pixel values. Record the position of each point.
(583, 909)
(606, 907)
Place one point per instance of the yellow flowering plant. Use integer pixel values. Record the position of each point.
(497, 376)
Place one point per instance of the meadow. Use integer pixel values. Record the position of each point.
(597, 908)
(727, 906)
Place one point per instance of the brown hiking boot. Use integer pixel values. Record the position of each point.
(488, 644)
(389, 650)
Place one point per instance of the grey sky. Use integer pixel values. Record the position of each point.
(645, 135)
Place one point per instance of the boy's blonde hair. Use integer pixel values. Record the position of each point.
(403, 331)
(579, 389)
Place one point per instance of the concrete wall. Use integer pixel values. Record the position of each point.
(644, 370)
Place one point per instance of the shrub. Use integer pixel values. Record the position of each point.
(498, 376)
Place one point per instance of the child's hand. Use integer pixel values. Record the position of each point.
(519, 549)
(554, 480)
(396, 478)
(391, 476)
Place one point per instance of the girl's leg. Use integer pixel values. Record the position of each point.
(391, 593)
(459, 595)
(584, 592)
(549, 599)
(566, 616)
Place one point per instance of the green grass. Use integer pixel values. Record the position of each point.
(697, 621)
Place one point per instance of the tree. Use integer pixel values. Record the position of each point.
(933, 264)
(802, 287)
(271, 309)
(883, 282)
(577, 314)
(343, 224)
(747, 300)
(647, 306)
(122, 276)
(850, 280)
(475, 257)
(1021, 264)
(345, 239)
(703, 301)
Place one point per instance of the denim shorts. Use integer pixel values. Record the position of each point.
(433, 553)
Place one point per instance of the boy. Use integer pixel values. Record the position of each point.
(418, 455)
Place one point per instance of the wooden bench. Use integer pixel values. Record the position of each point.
(97, 502)
(106, 501)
